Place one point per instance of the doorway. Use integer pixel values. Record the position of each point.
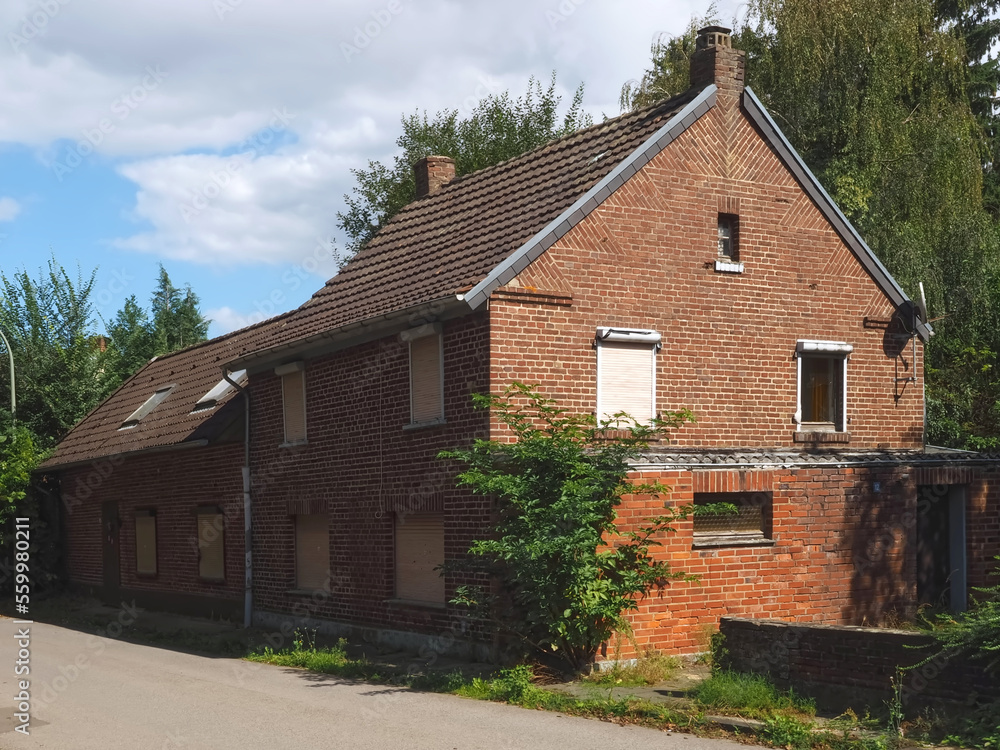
(941, 563)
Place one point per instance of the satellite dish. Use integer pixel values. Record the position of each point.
(923, 303)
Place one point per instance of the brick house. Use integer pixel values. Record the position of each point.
(678, 256)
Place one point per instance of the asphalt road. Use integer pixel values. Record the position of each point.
(91, 692)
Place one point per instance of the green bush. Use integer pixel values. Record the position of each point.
(568, 574)
(975, 633)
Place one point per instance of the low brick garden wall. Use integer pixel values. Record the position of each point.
(852, 667)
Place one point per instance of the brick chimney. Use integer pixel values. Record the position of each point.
(715, 61)
(431, 173)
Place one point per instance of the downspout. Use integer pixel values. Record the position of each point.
(247, 504)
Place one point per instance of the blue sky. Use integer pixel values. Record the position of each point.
(217, 136)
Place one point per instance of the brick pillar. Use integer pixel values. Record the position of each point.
(432, 172)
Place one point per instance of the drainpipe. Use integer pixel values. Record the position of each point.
(247, 504)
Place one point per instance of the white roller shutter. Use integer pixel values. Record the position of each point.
(419, 550)
(625, 380)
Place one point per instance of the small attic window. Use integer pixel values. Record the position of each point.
(219, 391)
(151, 403)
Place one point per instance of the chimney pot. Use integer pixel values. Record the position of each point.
(715, 61)
(432, 173)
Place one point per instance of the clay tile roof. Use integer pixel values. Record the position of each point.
(433, 248)
(449, 241)
(194, 371)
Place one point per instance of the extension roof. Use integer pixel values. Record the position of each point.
(457, 245)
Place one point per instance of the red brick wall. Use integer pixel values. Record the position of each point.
(645, 259)
(842, 553)
(858, 664)
(358, 465)
(173, 483)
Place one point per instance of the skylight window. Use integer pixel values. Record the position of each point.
(151, 403)
(220, 391)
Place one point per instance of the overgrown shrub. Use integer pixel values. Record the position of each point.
(568, 573)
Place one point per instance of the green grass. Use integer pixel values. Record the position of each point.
(649, 670)
(752, 696)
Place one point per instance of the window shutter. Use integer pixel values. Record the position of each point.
(211, 530)
(420, 549)
(294, 399)
(626, 380)
(145, 544)
(312, 552)
(425, 379)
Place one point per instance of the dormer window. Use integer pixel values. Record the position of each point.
(222, 389)
(151, 403)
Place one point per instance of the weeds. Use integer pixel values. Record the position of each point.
(652, 668)
(788, 732)
(750, 695)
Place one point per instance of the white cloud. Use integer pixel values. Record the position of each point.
(154, 86)
(9, 209)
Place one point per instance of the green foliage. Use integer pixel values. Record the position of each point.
(975, 633)
(176, 320)
(718, 651)
(57, 356)
(787, 732)
(131, 341)
(497, 129)
(568, 573)
(18, 458)
(749, 695)
(670, 71)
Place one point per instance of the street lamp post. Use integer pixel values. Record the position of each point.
(13, 397)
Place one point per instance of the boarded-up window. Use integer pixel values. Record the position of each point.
(419, 550)
(211, 544)
(145, 542)
(312, 552)
(426, 401)
(625, 380)
(294, 400)
(732, 517)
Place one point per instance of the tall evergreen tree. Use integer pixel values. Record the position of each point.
(131, 342)
(176, 317)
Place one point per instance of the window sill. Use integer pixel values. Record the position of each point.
(728, 266)
(820, 436)
(307, 592)
(421, 425)
(294, 444)
(416, 604)
(730, 540)
(203, 579)
(147, 576)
